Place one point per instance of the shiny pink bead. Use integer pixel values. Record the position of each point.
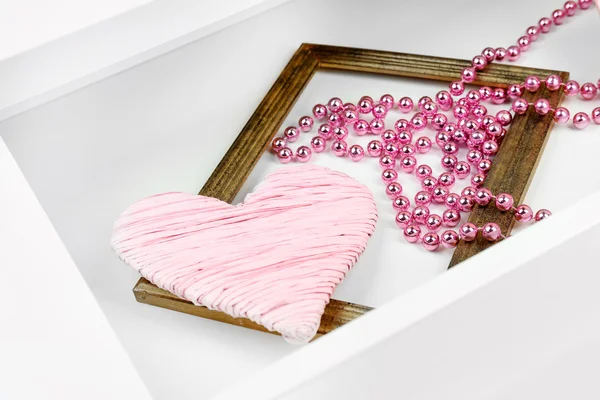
(339, 148)
(588, 91)
(423, 144)
(513, 52)
(523, 213)
(389, 175)
(477, 138)
(335, 120)
(278, 144)
(418, 123)
(444, 100)
(433, 222)
(498, 96)
(504, 202)
(474, 157)
(468, 232)
(542, 106)
(386, 162)
(285, 155)
(356, 152)
(466, 203)
(448, 162)
(520, 106)
(581, 120)
(405, 104)
(479, 63)
(553, 82)
(585, 4)
(479, 111)
(504, 117)
(450, 239)
(473, 98)
(524, 43)
(318, 144)
(387, 100)
(391, 149)
(478, 179)
(319, 111)
(420, 214)
(489, 54)
(349, 106)
(451, 218)
(570, 8)
(461, 112)
(339, 133)
(483, 197)
(558, 17)
(375, 148)
(423, 198)
(401, 125)
(422, 101)
(393, 190)
(468, 75)
(377, 126)
(306, 123)
(335, 104)
(571, 88)
(403, 218)
(532, 83)
(457, 88)
(428, 183)
(485, 92)
(303, 154)
(412, 233)
(380, 110)
(291, 134)
(533, 32)
(450, 148)
(407, 150)
(484, 165)
(404, 137)
(500, 53)
(545, 25)
(451, 200)
(389, 136)
(439, 193)
(542, 214)
(491, 231)
(462, 169)
(469, 191)
(515, 91)
(430, 108)
(401, 203)
(438, 121)
(365, 105)
(350, 116)
(423, 171)
(408, 164)
(431, 241)
(562, 115)
(489, 147)
(446, 179)
(361, 127)
(596, 115)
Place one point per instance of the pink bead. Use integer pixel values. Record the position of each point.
(483, 197)
(335, 104)
(389, 136)
(391, 149)
(404, 137)
(306, 123)
(431, 241)
(444, 100)
(319, 111)
(387, 162)
(291, 134)
(285, 155)
(558, 17)
(430, 108)
(469, 191)
(523, 213)
(457, 88)
(484, 165)
(401, 203)
(533, 32)
(571, 88)
(393, 190)
(339, 133)
(562, 115)
(439, 194)
(349, 107)
(498, 96)
(479, 111)
(408, 164)
(478, 179)
(596, 115)
(588, 91)
(489, 54)
(461, 112)
(532, 83)
(334, 120)
(545, 25)
(389, 175)
(450, 148)
(542, 214)
(403, 218)
(361, 127)
(407, 150)
(365, 105)
(468, 75)
(466, 203)
(303, 154)
(504, 117)
(433, 222)
(524, 43)
(520, 106)
(491, 231)
(581, 120)
(585, 4)
(473, 98)
(318, 144)
(356, 152)
(570, 8)
(401, 125)
(375, 148)
(474, 157)
(387, 100)
(542, 106)
(405, 104)
(477, 138)
(412, 233)
(422, 101)
(448, 162)
(339, 148)
(513, 52)
(423, 198)
(450, 239)
(489, 147)
(451, 200)
(277, 144)
(423, 144)
(439, 121)
(485, 92)
(420, 214)
(418, 123)
(468, 232)
(423, 171)
(500, 53)
(350, 116)
(325, 131)
(377, 126)
(451, 218)
(428, 183)
(515, 91)
(446, 179)
(479, 63)
(504, 202)
(553, 82)
(462, 169)
(380, 110)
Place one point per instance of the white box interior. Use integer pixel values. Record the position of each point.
(164, 125)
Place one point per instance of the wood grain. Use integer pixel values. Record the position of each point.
(526, 140)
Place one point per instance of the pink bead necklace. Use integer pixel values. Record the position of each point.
(469, 125)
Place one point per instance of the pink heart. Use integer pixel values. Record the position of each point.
(275, 259)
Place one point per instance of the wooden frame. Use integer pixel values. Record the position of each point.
(511, 172)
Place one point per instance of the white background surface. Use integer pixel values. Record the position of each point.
(165, 124)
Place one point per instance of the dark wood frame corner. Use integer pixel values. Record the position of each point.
(511, 172)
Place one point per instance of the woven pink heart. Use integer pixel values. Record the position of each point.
(275, 259)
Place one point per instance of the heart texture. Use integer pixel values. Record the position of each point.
(274, 259)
